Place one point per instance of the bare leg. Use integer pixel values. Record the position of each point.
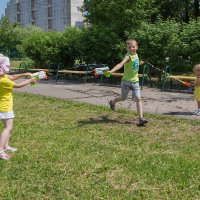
(198, 103)
(117, 99)
(4, 138)
(139, 107)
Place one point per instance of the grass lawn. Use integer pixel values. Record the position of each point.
(70, 150)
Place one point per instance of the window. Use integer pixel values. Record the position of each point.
(32, 4)
(18, 17)
(33, 15)
(49, 2)
(50, 12)
(50, 24)
(18, 7)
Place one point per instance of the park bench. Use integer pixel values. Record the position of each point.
(90, 71)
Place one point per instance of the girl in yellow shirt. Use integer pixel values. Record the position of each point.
(196, 71)
(6, 103)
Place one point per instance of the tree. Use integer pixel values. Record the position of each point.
(118, 15)
(196, 8)
(8, 37)
(178, 10)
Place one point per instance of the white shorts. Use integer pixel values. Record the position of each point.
(7, 115)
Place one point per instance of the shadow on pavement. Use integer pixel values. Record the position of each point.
(179, 113)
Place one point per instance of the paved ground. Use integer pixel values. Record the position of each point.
(180, 104)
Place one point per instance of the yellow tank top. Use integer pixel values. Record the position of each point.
(131, 69)
(6, 97)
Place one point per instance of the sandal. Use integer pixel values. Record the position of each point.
(3, 155)
(112, 106)
(11, 149)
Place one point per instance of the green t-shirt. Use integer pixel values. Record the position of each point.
(131, 69)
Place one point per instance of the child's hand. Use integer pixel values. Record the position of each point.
(28, 74)
(109, 72)
(142, 62)
(33, 80)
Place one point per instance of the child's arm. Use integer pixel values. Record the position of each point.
(18, 76)
(119, 65)
(24, 83)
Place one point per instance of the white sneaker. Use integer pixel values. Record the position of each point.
(197, 112)
(11, 149)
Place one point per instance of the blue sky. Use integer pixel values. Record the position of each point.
(3, 4)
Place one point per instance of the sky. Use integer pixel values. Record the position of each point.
(3, 4)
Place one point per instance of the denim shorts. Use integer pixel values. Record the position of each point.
(7, 115)
(126, 86)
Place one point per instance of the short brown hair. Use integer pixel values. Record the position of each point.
(130, 41)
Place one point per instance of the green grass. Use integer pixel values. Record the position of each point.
(70, 150)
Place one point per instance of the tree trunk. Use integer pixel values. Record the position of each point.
(187, 11)
(196, 8)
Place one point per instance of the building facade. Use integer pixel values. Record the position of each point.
(47, 14)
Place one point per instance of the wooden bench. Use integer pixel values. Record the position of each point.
(87, 72)
(73, 72)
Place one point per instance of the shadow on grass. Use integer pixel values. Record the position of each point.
(104, 119)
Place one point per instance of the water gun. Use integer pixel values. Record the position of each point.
(188, 84)
(39, 75)
(102, 71)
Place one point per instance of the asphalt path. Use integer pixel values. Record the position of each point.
(176, 103)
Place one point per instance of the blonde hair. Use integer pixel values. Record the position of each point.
(131, 41)
(196, 67)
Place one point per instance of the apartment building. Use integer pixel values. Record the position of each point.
(47, 14)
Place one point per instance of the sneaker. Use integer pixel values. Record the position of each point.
(11, 149)
(197, 112)
(3, 155)
(112, 106)
(142, 122)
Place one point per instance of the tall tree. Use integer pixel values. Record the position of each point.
(7, 36)
(196, 8)
(118, 15)
(179, 10)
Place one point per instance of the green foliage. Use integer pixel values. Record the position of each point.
(52, 47)
(118, 15)
(157, 41)
(8, 37)
(43, 48)
(100, 45)
(178, 10)
(69, 47)
(190, 42)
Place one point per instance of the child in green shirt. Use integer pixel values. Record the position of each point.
(130, 80)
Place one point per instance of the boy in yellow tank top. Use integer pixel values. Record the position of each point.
(6, 103)
(196, 70)
(130, 80)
